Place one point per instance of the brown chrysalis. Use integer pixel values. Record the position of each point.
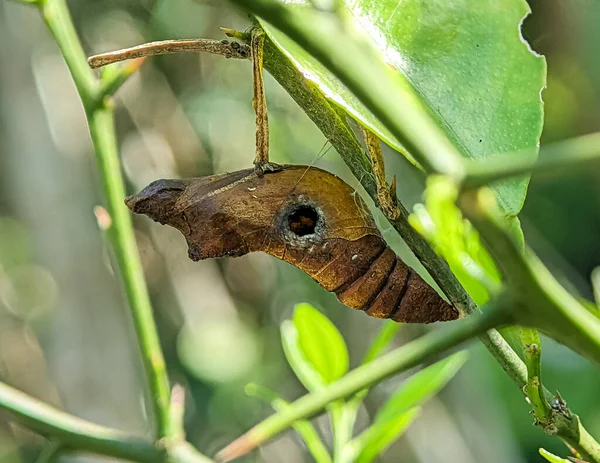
(305, 216)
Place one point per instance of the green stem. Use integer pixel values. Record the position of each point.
(49, 453)
(309, 435)
(394, 362)
(341, 426)
(573, 155)
(75, 433)
(506, 357)
(58, 19)
(532, 353)
(113, 77)
(101, 124)
(360, 69)
(122, 238)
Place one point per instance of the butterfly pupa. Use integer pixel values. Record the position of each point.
(305, 216)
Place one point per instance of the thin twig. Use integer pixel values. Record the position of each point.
(120, 233)
(216, 47)
(532, 353)
(304, 428)
(259, 101)
(72, 432)
(541, 302)
(384, 195)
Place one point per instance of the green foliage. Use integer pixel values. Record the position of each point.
(454, 238)
(303, 369)
(460, 58)
(386, 335)
(321, 343)
(318, 355)
(394, 417)
(373, 441)
(421, 386)
(552, 458)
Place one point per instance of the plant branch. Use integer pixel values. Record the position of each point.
(532, 353)
(75, 433)
(392, 363)
(122, 238)
(120, 232)
(113, 77)
(164, 47)
(573, 155)
(58, 19)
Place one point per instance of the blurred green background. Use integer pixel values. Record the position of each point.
(65, 333)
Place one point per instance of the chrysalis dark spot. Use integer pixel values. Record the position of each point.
(303, 221)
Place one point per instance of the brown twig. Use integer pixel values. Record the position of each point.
(259, 102)
(385, 194)
(216, 47)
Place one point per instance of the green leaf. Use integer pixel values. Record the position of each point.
(466, 60)
(552, 458)
(452, 237)
(372, 442)
(403, 406)
(596, 285)
(321, 343)
(303, 369)
(384, 338)
(421, 386)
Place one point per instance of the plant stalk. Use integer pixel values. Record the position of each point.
(120, 233)
(532, 352)
(75, 433)
(165, 47)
